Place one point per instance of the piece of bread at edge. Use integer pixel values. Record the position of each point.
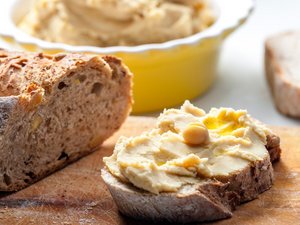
(211, 199)
(282, 60)
(56, 109)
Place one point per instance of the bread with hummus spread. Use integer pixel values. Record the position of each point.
(193, 166)
(116, 22)
(56, 109)
(282, 60)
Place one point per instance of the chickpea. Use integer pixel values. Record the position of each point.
(195, 134)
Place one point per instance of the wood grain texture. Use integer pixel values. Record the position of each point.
(77, 194)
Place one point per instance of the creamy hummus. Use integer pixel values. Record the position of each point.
(187, 146)
(116, 22)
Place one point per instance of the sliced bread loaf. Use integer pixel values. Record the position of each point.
(56, 109)
(282, 65)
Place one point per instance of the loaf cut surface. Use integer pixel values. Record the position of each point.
(282, 65)
(56, 109)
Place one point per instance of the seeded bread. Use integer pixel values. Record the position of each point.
(56, 109)
(282, 60)
(209, 200)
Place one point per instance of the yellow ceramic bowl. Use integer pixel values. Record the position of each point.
(164, 74)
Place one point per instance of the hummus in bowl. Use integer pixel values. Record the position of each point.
(167, 71)
(116, 22)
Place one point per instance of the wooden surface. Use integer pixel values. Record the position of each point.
(77, 194)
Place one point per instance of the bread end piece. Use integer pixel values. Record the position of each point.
(281, 68)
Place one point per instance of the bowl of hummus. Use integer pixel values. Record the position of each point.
(171, 46)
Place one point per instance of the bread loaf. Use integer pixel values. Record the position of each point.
(282, 60)
(56, 109)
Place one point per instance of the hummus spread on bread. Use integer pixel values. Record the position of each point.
(188, 145)
(116, 22)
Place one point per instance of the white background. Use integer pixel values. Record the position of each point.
(241, 82)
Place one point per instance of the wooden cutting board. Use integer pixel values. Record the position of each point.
(77, 194)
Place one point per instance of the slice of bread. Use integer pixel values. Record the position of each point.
(209, 200)
(282, 60)
(56, 109)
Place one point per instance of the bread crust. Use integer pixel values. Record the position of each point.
(54, 109)
(209, 200)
